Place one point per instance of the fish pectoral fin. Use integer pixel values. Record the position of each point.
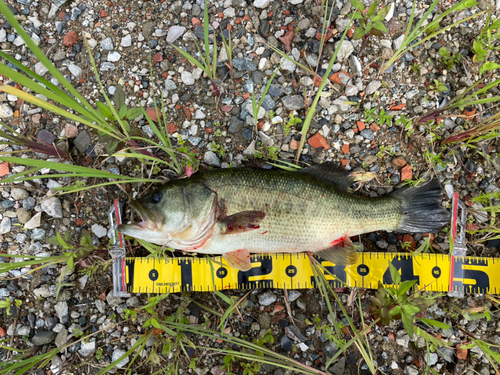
(343, 254)
(239, 259)
(241, 222)
(341, 179)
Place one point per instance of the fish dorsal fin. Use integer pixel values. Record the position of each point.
(342, 253)
(241, 222)
(339, 178)
(239, 259)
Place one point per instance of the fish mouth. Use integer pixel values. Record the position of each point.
(148, 218)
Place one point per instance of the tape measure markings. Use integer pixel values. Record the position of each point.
(293, 271)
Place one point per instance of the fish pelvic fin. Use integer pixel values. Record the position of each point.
(421, 208)
(239, 259)
(339, 178)
(241, 222)
(343, 253)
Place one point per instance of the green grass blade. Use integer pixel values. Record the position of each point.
(191, 59)
(206, 31)
(6, 12)
(57, 110)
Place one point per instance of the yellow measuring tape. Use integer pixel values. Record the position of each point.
(434, 272)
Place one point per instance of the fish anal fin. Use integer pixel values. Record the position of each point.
(241, 222)
(239, 259)
(342, 253)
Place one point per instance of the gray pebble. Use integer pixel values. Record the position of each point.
(211, 159)
(266, 298)
(43, 338)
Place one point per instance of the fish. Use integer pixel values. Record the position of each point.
(238, 211)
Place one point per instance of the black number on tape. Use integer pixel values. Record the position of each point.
(221, 272)
(266, 267)
(405, 264)
(436, 272)
(291, 271)
(153, 275)
(363, 270)
(462, 277)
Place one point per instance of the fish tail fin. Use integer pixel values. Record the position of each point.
(421, 208)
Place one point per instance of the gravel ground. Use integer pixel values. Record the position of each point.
(220, 130)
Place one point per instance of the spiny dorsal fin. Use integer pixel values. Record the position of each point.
(339, 178)
(343, 253)
(239, 259)
(241, 222)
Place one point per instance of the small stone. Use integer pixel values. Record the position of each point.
(17, 194)
(126, 41)
(52, 207)
(236, 125)
(244, 65)
(406, 173)
(432, 359)
(29, 203)
(112, 300)
(403, 341)
(99, 230)
(170, 85)
(83, 141)
(294, 334)
(293, 102)
(372, 87)
(34, 222)
(288, 64)
(318, 141)
(70, 39)
(304, 24)
(330, 349)
(411, 370)
(107, 44)
(87, 348)
(187, 78)
(399, 162)
(75, 70)
(446, 353)
(23, 216)
(266, 298)
(5, 225)
(387, 53)
(70, 130)
(346, 49)
(5, 111)
(43, 338)
(174, 33)
(396, 44)
(62, 338)
(46, 137)
(62, 311)
(286, 343)
(114, 56)
(287, 40)
(261, 4)
(116, 355)
(211, 159)
(342, 104)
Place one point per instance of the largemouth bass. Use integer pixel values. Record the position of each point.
(235, 212)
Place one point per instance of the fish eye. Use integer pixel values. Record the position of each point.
(156, 197)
